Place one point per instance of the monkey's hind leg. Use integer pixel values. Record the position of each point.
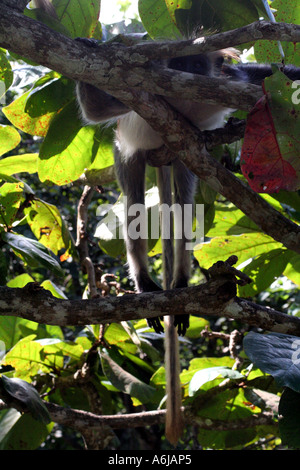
(184, 189)
(131, 176)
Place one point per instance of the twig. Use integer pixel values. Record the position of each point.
(82, 239)
(83, 419)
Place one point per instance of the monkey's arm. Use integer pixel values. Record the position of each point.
(256, 73)
(98, 106)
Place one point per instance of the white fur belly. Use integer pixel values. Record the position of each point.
(204, 116)
(135, 134)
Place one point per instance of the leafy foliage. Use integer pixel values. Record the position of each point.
(45, 152)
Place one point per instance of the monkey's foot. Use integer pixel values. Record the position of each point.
(181, 322)
(155, 323)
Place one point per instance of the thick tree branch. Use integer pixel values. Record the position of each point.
(17, 4)
(214, 298)
(110, 67)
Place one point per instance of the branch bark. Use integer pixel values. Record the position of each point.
(214, 298)
(82, 239)
(83, 419)
(112, 67)
(259, 30)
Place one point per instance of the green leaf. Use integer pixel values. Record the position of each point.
(288, 198)
(69, 148)
(24, 163)
(125, 381)
(268, 51)
(47, 225)
(6, 74)
(244, 247)
(196, 326)
(7, 420)
(229, 220)
(264, 270)
(212, 14)
(207, 375)
(26, 358)
(33, 111)
(53, 288)
(33, 252)
(20, 281)
(24, 393)
(18, 437)
(41, 15)
(229, 405)
(9, 138)
(54, 351)
(109, 229)
(15, 113)
(292, 270)
(116, 334)
(157, 20)
(30, 357)
(79, 17)
(11, 196)
(13, 329)
(203, 363)
(104, 158)
(49, 95)
(8, 178)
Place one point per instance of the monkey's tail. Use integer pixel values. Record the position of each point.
(174, 417)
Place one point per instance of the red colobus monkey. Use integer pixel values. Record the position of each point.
(134, 139)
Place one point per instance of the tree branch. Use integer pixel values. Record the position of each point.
(17, 4)
(83, 419)
(214, 298)
(82, 239)
(110, 67)
(259, 30)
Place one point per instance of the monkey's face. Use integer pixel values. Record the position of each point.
(209, 64)
(200, 64)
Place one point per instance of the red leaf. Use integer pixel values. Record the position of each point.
(261, 160)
